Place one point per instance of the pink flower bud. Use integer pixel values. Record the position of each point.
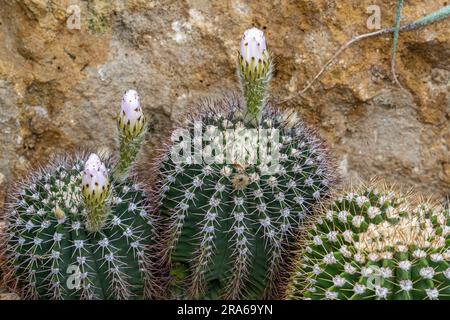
(95, 181)
(131, 120)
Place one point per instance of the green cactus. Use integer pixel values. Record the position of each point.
(233, 189)
(74, 233)
(50, 252)
(374, 244)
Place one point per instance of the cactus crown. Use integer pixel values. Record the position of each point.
(373, 243)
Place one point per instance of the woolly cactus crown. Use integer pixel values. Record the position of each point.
(374, 243)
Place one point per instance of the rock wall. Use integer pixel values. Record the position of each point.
(60, 86)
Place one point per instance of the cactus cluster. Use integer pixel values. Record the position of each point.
(231, 208)
(375, 244)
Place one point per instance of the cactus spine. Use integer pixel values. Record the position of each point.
(228, 225)
(374, 244)
(72, 232)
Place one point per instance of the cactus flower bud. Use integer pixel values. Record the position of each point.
(95, 182)
(59, 214)
(131, 120)
(254, 57)
(132, 126)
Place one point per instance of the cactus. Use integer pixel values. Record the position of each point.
(254, 73)
(73, 233)
(229, 210)
(132, 127)
(374, 243)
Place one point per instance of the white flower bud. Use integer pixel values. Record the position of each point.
(131, 120)
(254, 58)
(95, 181)
(253, 45)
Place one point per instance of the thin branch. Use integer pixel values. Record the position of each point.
(429, 19)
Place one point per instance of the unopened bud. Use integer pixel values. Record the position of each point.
(254, 61)
(59, 214)
(95, 181)
(131, 120)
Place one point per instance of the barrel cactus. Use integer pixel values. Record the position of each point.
(375, 244)
(75, 232)
(233, 189)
